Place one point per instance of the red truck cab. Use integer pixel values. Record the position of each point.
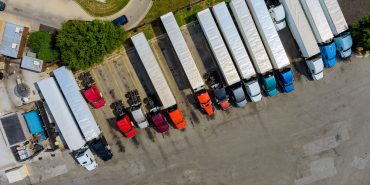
(176, 117)
(94, 96)
(205, 102)
(126, 126)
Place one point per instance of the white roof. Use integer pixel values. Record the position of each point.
(334, 16)
(250, 35)
(153, 69)
(300, 28)
(270, 37)
(182, 50)
(77, 103)
(317, 20)
(233, 41)
(218, 47)
(61, 114)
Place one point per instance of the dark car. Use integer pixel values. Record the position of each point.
(122, 20)
(102, 149)
(159, 122)
(2, 6)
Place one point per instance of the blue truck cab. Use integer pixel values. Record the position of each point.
(285, 79)
(344, 44)
(269, 85)
(328, 53)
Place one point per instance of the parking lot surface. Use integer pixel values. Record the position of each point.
(318, 134)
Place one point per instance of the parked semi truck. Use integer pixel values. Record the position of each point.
(67, 125)
(187, 62)
(222, 56)
(277, 14)
(238, 51)
(339, 27)
(273, 45)
(304, 37)
(255, 46)
(158, 80)
(321, 29)
(79, 108)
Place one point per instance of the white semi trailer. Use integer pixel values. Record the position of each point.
(81, 112)
(67, 126)
(339, 26)
(321, 29)
(273, 45)
(304, 37)
(158, 80)
(238, 51)
(254, 44)
(222, 57)
(187, 62)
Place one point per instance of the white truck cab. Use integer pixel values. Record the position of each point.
(277, 14)
(86, 159)
(254, 91)
(139, 117)
(316, 68)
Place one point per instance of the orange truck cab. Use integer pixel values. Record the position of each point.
(176, 117)
(205, 102)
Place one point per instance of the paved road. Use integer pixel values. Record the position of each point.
(54, 12)
(316, 135)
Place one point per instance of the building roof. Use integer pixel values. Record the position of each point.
(32, 64)
(11, 43)
(13, 129)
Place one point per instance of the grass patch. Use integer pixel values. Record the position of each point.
(98, 9)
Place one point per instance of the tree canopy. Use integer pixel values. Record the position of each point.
(361, 32)
(42, 43)
(83, 44)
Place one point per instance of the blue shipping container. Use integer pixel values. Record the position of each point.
(34, 124)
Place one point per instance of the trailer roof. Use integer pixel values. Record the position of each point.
(267, 30)
(182, 50)
(153, 69)
(218, 47)
(334, 16)
(61, 113)
(250, 35)
(297, 21)
(77, 103)
(318, 22)
(233, 40)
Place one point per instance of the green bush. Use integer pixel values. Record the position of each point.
(83, 44)
(361, 32)
(42, 43)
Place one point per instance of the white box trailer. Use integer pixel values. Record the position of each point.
(158, 80)
(250, 36)
(317, 20)
(222, 56)
(321, 29)
(272, 42)
(237, 50)
(62, 116)
(154, 70)
(233, 41)
(218, 47)
(187, 62)
(182, 51)
(77, 103)
(339, 26)
(304, 37)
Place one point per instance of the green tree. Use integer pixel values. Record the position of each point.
(42, 43)
(361, 32)
(83, 44)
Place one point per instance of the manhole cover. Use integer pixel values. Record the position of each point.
(22, 90)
